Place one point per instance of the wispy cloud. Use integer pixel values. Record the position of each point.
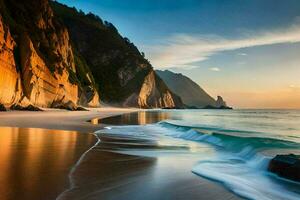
(183, 49)
(215, 69)
(242, 54)
(294, 87)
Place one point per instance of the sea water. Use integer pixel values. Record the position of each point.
(243, 143)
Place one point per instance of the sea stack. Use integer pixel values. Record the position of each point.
(220, 102)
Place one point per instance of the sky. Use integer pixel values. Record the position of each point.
(247, 51)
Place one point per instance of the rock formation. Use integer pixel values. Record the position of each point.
(190, 92)
(41, 65)
(124, 77)
(154, 94)
(220, 102)
(10, 86)
(286, 166)
(193, 96)
(37, 62)
(2, 108)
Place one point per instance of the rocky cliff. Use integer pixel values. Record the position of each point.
(37, 61)
(54, 56)
(191, 93)
(123, 76)
(10, 86)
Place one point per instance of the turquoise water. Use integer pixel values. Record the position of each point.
(243, 142)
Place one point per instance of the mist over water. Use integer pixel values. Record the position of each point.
(243, 142)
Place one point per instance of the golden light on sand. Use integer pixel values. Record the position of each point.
(30, 155)
(95, 121)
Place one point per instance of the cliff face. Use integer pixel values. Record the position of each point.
(123, 76)
(154, 93)
(54, 56)
(190, 92)
(10, 88)
(38, 57)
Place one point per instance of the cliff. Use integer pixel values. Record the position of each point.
(10, 87)
(37, 59)
(191, 93)
(123, 76)
(53, 56)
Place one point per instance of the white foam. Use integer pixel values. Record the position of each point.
(244, 173)
(245, 179)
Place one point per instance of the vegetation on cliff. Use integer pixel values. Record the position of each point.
(55, 56)
(119, 69)
(43, 58)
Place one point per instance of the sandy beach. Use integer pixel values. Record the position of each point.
(59, 119)
(91, 169)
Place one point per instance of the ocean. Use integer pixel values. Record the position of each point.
(233, 147)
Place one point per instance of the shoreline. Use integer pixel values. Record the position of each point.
(54, 119)
(101, 172)
(74, 167)
(110, 171)
(59, 138)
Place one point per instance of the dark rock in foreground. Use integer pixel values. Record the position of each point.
(25, 108)
(68, 106)
(2, 108)
(286, 166)
(65, 106)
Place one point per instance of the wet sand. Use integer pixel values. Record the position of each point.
(108, 172)
(37, 163)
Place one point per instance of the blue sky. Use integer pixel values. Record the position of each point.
(248, 51)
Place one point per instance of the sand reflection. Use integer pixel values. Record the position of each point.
(34, 163)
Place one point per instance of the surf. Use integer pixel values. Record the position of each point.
(240, 149)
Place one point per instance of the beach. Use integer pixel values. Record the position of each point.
(61, 158)
(59, 119)
(149, 100)
(111, 170)
(38, 150)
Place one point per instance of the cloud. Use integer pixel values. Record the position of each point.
(242, 54)
(294, 87)
(215, 69)
(181, 50)
(185, 67)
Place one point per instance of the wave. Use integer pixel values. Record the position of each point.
(239, 165)
(237, 160)
(228, 139)
(244, 180)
